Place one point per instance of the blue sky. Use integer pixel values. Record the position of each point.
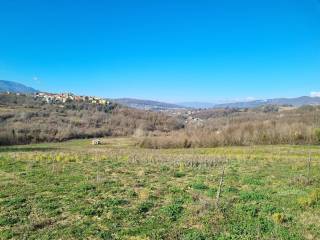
(174, 51)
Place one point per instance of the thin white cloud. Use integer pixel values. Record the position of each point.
(248, 99)
(315, 94)
(35, 78)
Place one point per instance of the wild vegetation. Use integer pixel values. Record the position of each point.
(267, 125)
(74, 190)
(24, 119)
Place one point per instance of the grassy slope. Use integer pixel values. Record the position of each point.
(74, 190)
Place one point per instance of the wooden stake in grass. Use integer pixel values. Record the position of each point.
(309, 167)
(220, 187)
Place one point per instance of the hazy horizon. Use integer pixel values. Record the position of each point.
(185, 103)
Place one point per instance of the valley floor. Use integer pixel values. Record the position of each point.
(74, 190)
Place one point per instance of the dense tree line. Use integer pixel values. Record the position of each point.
(24, 119)
(266, 125)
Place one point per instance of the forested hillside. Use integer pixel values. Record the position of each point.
(24, 119)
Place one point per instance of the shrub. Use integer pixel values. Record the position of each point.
(93, 211)
(173, 211)
(145, 207)
(179, 174)
(311, 199)
(9, 220)
(251, 196)
(278, 218)
(199, 186)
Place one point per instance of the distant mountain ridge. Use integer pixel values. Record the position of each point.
(296, 102)
(155, 105)
(14, 87)
(147, 104)
(197, 105)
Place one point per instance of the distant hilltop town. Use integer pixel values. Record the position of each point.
(70, 97)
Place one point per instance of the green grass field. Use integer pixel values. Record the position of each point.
(74, 190)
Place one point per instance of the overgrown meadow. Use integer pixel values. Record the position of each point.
(74, 190)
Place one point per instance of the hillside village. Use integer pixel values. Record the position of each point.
(70, 97)
(64, 97)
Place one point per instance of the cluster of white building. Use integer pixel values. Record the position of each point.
(65, 97)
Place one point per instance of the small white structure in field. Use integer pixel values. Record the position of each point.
(96, 142)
